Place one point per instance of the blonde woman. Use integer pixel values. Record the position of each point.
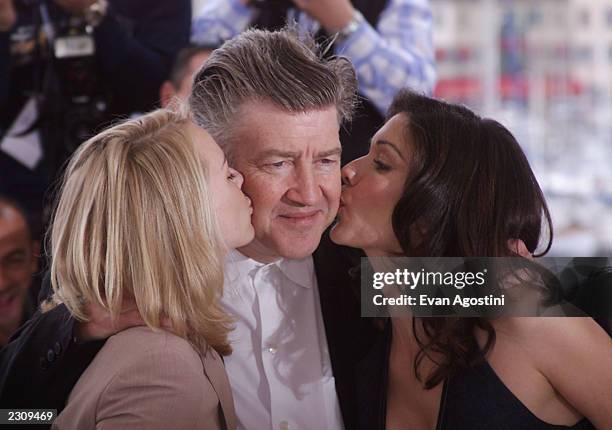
(147, 210)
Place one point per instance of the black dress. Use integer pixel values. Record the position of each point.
(472, 398)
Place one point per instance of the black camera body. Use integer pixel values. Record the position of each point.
(82, 96)
(72, 99)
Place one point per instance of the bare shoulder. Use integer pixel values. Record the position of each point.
(573, 354)
(542, 336)
(560, 346)
(551, 330)
(563, 339)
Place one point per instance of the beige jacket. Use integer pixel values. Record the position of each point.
(143, 379)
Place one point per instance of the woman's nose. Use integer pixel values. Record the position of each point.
(348, 174)
(238, 178)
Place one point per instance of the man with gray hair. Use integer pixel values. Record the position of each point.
(275, 105)
(388, 41)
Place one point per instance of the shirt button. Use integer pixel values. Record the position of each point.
(284, 425)
(50, 356)
(57, 348)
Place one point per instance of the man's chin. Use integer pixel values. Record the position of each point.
(298, 254)
(296, 248)
(284, 248)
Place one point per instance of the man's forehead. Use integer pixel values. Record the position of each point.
(334, 150)
(12, 221)
(265, 112)
(265, 128)
(11, 218)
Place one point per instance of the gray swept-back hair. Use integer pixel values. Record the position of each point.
(284, 68)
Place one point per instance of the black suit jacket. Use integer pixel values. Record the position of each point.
(349, 337)
(41, 365)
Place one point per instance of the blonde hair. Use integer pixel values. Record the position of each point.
(135, 218)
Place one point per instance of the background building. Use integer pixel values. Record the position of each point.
(542, 67)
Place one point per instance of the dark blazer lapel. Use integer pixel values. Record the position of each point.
(348, 335)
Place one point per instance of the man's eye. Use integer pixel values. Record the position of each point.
(328, 161)
(231, 176)
(278, 164)
(380, 166)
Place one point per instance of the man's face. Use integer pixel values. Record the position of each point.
(170, 94)
(17, 263)
(291, 168)
(195, 63)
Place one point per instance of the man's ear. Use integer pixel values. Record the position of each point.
(166, 93)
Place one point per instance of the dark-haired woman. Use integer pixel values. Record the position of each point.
(439, 181)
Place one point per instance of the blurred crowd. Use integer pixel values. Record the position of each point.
(69, 68)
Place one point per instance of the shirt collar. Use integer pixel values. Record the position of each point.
(299, 271)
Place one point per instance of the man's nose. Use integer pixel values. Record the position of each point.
(305, 190)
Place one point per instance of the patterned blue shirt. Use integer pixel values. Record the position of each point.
(397, 53)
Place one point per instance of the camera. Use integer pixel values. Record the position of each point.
(73, 102)
(82, 98)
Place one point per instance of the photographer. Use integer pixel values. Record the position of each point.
(388, 41)
(178, 85)
(68, 67)
(19, 250)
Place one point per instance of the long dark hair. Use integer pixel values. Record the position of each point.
(469, 192)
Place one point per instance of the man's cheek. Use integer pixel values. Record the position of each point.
(333, 199)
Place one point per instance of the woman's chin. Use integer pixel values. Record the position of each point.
(244, 239)
(249, 236)
(340, 234)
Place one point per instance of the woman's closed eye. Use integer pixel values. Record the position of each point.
(234, 176)
(380, 166)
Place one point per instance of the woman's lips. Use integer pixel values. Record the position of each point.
(343, 198)
(341, 210)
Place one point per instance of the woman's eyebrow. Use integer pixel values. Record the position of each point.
(392, 145)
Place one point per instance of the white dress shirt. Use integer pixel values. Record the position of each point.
(280, 371)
